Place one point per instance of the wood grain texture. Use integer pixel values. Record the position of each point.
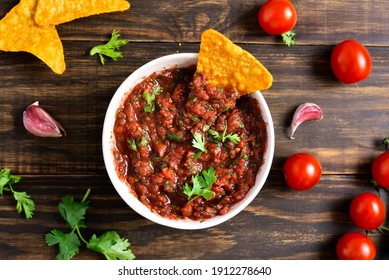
(279, 223)
(81, 95)
(319, 22)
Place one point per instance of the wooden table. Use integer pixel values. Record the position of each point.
(279, 223)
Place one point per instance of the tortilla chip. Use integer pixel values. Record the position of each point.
(229, 66)
(60, 11)
(19, 32)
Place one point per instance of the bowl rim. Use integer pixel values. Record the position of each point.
(108, 142)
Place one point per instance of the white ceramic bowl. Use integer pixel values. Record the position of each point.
(165, 62)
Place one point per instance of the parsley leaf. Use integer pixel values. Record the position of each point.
(157, 89)
(174, 137)
(198, 142)
(150, 101)
(143, 143)
(110, 49)
(133, 144)
(207, 178)
(24, 202)
(73, 212)
(202, 184)
(6, 178)
(222, 137)
(288, 38)
(68, 243)
(233, 137)
(112, 246)
(150, 98)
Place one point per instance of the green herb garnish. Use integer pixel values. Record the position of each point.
(385, 141)
(150, 98)
(288, 38)
(110, 49)
(201, 185)
(157, 90)
(174, 137)
(150, 101)
(198, 142)
(23, 200)
(110, 244)
(133, 144)
(143, 142)
(193, 118)
(222, 137)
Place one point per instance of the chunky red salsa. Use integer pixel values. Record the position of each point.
(157, 153)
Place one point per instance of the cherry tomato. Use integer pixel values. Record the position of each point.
(367, 211)
(350, 62)
(277, 16)
(355, 246)
(380, 170)
(302, 171)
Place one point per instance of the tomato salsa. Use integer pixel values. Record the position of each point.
(157, 153)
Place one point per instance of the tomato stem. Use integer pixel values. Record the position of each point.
(288, 38)
(376, 186)
(385, 141)
(383, 229)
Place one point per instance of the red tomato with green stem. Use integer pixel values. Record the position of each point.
(278, 17)
(351, 62)
(380, 170)
(355, 246)
(367, 211)
(302, 171)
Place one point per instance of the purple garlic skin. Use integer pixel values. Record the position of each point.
(305, 112)
(38, 122)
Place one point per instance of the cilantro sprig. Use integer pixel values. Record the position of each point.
(288, 38)
(150, 98)
(174, 137)
(24, 202)
(110, 49)
(133, 144)
(198, 142)
(110, 244)
(201, 185)
(222, 137)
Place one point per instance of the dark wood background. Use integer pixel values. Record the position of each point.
(279, 223)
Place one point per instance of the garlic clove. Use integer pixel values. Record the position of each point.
(305, 112)
(38, 122)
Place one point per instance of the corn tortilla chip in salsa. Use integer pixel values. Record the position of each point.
(228, 65)
(19, 32)
(60, 11)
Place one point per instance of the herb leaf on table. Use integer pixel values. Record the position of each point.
(110, 49)
(24, 202)
(110, 244)
(73, 212)
(68, 243)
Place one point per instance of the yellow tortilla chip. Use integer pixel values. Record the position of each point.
(19, 32)
(60, 11)
(229, 66)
